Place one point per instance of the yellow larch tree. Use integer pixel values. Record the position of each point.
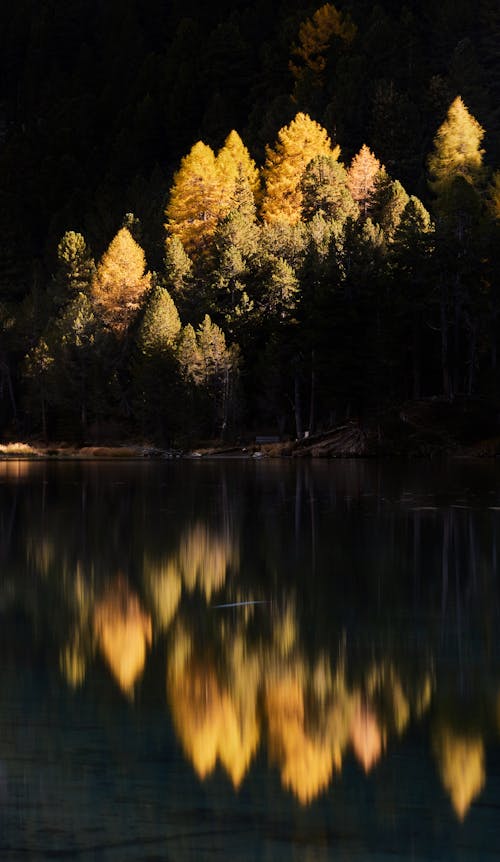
(298, 143)
(234, 160)
(197, 199)
(457, 149)
(120, 282)
(315, 37)
(361, 178)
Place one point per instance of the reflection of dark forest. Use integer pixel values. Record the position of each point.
(374, 606)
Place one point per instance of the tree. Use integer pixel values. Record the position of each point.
(361, 178)
(197, 199)
(457, 151)
(72, 337)
(297, 144)
(38, 366)
(388, 202)
(411, 258)
(234, 160)
(155, 367)
(316, 36)
(324, 190)
(75, 268)
(120, 282)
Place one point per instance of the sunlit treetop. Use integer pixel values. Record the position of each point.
(298, 143)
(120, 282)
(315, 37)
(457, 149)
(234, 160)
(361, 178)
(205, 188)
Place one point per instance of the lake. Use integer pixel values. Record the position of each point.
(249, 660)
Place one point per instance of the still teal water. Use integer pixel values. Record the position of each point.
(249, 660)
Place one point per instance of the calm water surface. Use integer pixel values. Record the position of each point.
(241, 660)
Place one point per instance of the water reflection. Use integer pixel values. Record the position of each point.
(366, 611)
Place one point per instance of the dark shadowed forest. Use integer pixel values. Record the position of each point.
(226, 218)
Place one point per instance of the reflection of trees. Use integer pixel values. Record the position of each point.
(235, 692)
(271, 676)
(460, 760)
(122, 632)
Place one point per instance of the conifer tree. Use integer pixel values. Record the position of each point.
(160, 324)
(388, 202)
(297, 144)
(155, 369)
(457, 150)
(234, 160)
(75, 268)
(361, 178)
(493, 199)
(315, 37)
(189, 356)
(73, 344)
(197, 199)
(120, 282)
(324, 190)
(411, 261)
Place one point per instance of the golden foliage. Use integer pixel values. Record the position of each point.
(204, 191)
(204, 558)
(120, 282)
(297, 144)
(315, 37)
(212, 723)
(123, 632)
(461, 767)
(457, 151)
(366, 736)
(306, 760)
(164, 587)
(233, 160)
(361, 177)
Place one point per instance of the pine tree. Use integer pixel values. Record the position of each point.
(411, 262)
(361, 178)
(324, 190)
(297, 144)
(160, 324)
(493, 197)
(156, 374)
(120, 282)
(75, 268)
(388, 202)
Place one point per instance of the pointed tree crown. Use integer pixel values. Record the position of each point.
(457, 149)
(120, 281)
(297, 144)
(361, 178)
(160, 325)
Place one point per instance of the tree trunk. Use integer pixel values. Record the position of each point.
(312, 403)
(298, 406)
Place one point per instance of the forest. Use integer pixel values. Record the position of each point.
(238, 218)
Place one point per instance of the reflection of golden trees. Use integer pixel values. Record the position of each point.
(312, 715)
(123, 631)
(461, 767)
(214, 721)
(366, 736)
(204, 558)
(306, 758)
(164, 586)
